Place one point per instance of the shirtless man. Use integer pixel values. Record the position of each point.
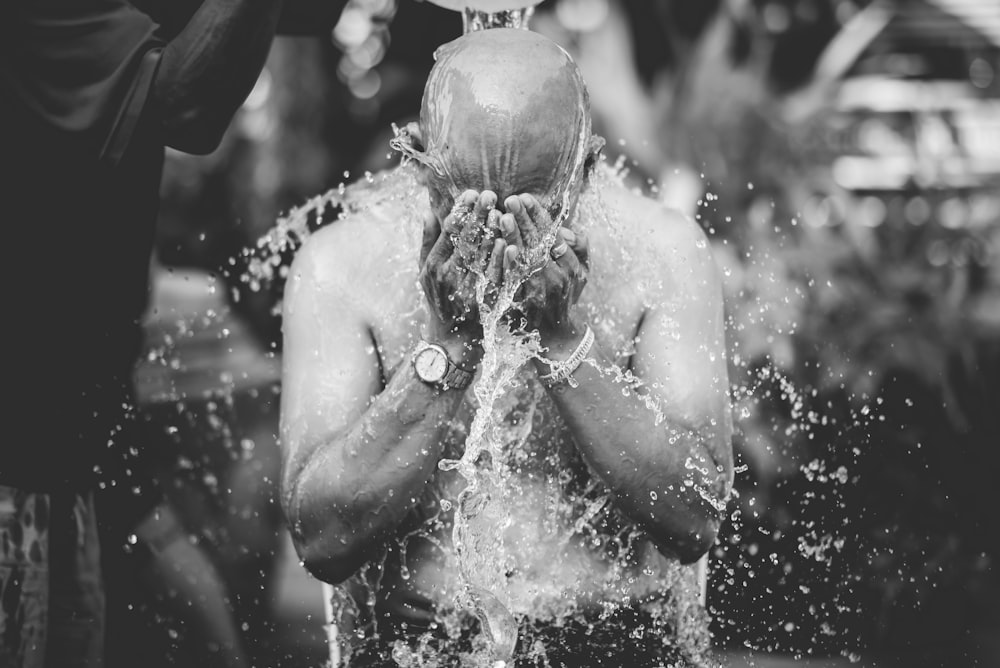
(622, 464)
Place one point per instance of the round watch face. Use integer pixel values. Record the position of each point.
(431, 364)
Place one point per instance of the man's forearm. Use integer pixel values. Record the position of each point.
(661, 471)
(357, 488)
(208, 69)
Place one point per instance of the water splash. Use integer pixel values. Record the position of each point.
(494, 450)
(269, 260)
(474, 19)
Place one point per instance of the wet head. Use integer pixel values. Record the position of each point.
(505, 110)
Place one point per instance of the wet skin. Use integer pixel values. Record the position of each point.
(505, 113)
(362, 435)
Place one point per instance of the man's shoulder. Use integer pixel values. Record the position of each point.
(648, 224)
(351, 248)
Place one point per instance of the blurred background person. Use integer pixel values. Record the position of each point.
(92, 94)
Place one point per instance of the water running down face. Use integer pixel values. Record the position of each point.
(504, 110)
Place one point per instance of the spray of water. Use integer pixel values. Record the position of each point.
(494, 448)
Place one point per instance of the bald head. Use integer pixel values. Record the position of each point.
(505, 110)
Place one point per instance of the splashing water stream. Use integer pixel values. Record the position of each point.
(483, 505)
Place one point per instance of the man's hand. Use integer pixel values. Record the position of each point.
(548, 295)
(450, 253)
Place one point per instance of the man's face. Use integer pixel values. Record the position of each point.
(443, 194)
(507, 111)
(504, 111)
(469, 231)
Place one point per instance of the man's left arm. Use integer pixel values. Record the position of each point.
(664, 446)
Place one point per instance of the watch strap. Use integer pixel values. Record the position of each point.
(457, 377)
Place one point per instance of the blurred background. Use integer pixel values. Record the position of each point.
(844, 158)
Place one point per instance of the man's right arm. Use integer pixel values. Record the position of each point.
(356, 455)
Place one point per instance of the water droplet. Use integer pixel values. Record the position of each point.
(448, 464)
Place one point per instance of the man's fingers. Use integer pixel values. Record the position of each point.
(510, 231)
(495, 266)
(443, 246)
(468, 199)
(451, 225)
(510, 256)
(564, 257)
(486, 201)
(535, 210)
(524, 208)
(579, 243)
(493, 221)
(432, 230)
(569, 261)
(487, 238)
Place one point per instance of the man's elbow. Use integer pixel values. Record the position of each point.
(331, 561)
(698, 544)
(690, 544)
(329, 551)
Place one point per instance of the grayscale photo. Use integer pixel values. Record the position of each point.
(500, 333)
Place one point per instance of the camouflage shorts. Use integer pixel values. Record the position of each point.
(51, 594)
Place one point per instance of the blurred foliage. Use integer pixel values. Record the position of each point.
(876, 350)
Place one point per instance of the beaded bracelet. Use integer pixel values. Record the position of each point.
(562, 372)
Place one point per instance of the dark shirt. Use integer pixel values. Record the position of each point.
(80, 164)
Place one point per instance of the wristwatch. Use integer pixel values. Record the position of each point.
(434, 367)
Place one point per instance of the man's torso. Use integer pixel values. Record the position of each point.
(565, 547)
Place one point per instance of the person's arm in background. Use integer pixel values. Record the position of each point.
(181, 575)
(147, 556)
(298, 17)
(209, 67)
